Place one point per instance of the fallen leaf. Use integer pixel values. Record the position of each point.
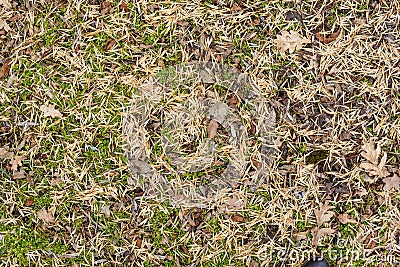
(327, 38)
(391, 182)
(370, 240)
(106, 211)
(291, 41)
(105, 8)
(238, 218)
(374, 166)
(234, 202)
(109, 44)
(5, 3)
(45, 215)
(50, 111)
(29, 202)
(5, 154)
(124, 7)
(139, 242)
(346, 218)
(5, 68)
(16, 162)
(4, 25)
(212, 128)
(319, 233)
(19, 175)
(236, 7)
(323, 215)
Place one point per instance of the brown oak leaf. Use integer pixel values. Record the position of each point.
(323, 214)
(291, 41)
(375, 166)
(45, 215)
(319, 233)
(17, 161)
(346, 218)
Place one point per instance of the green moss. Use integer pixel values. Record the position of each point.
(317, 156)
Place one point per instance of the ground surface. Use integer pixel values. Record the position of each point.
(333, 189)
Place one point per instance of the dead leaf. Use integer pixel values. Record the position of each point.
(238, 218)
(45, 215)
(212, 128)
(391, 182)
(235, 202)
(327, 38)
(106, 211)
(346, 218)
(374, 166)
(124, 7)
(139, 242)
(19, 175)
(236, 7)
(4, 25)
(291, 41)
(50, 111)
(109, 44)
(323, 215)
(5, 153)
(5, 68)
(16, 162)
(29, 202)
(319, 233)
(105, 8)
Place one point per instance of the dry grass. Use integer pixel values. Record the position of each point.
(88, 59)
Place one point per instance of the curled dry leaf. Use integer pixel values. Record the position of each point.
(5, 68)
(346, 218)
(374, 166)
(327, 38)
(319, 233)
(45, 216)
(391, 182)
(291, 41)
(238, 218)
(212, 128)
(106, 211)
(50, 111)
(17, 161)
(4, 25)
(323, 214)
(109, 44)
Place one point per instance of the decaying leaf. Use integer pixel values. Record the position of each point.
(5, 68)
(327, 38)
(50, 111)
(291, 41)
(106, 211)
(234, 202)
(391, 182)
(5, 3)
(238, 218)
(212, 128)
(19, 175)
(17, 161)
(45, 216)
(29, 202)
(105, 8)
(109, 44)
(319, 233)
(346, 218)
(323, 214)
(374, 166)
(301, 235)
(5, 153)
